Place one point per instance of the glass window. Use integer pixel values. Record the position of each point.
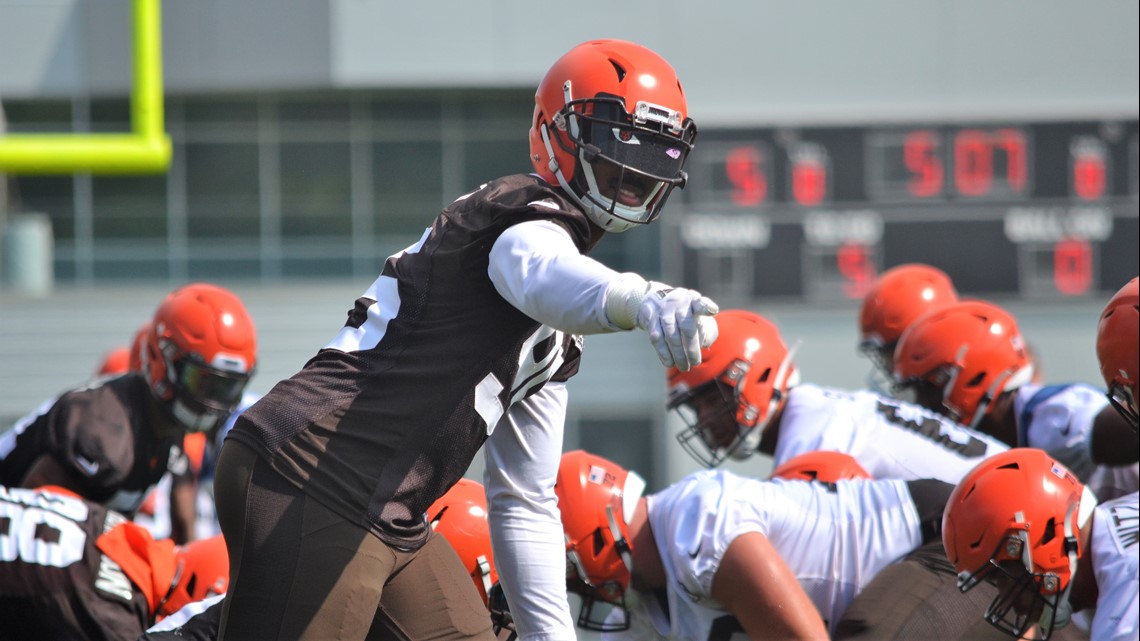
(214, 110)
(331, 110)
(52, 195)
(129, 206)
(38, 116)
(490, 159)
(315, 189)
(111, 115)
(222, 190)
(407, 184)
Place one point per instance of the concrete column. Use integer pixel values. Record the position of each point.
(28, 254)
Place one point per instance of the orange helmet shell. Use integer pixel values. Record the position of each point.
(1117, 349)
(200, 353)
(595, 495)
(203, 570)
(972, 350)
(1015, 493)
(460, 516)
(821, 465)
(115, 361)
(898, 297)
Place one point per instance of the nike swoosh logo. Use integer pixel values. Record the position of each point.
(694, 553)
(89, 466)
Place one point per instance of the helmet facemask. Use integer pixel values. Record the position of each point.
(1121, 396)
(879, 378)
(604, 604)
(1024, 597)
(721, 421)
(626, 164)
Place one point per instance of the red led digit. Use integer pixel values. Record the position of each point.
(1089, 176)
(853, 260)
(809, 182)
(920, 154)
(1072, 266)
(1012, 143)
(744, 168)
(973, 162)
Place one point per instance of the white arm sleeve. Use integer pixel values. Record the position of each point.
(522, 457)
(537, 268)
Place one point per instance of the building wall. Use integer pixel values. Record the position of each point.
(742, 62)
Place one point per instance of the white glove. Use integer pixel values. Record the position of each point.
(679, 321)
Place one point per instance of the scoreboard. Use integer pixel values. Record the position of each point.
(1032, 210)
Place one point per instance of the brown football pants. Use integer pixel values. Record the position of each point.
(299, 571)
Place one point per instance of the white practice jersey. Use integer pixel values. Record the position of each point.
(835, 538)
(890, 438)
(1059, 419)
(1113, 546)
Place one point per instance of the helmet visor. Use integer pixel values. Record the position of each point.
(210, 386)
(646, 148)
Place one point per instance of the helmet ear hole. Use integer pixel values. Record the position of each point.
(599, 541)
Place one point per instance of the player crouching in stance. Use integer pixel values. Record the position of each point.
(717, 553)
(1024, 522)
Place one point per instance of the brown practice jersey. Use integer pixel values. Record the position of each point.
(104, 437)
(391, 412)
(55, 582)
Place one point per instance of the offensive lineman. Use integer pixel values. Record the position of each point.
(716, 553)
(468, 336)
(745, 397)
(968, 362)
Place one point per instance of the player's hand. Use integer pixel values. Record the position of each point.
(679, 322)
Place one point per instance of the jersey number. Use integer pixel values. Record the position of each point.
(37, 536)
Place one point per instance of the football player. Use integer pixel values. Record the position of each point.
(72, 569)
(896, 299)
(968, 362)
(112, 440)
(716, 554)
(467, 336)
(745, 397)
(1024, 523)
(821, 465)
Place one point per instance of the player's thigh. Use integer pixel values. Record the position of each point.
(433, 597)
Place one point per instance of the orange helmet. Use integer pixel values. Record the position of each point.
(597, 498)
(611, 127)
(460, 515)
(138, 347)
(1015, 520)
(896, 299)
(199, 354)
(729, 399)
(1118, 353)
(820, 465)
(116, 361)
(961, 357)
(202, 570)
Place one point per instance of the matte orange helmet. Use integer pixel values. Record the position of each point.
(199, 354)
(202, 570)
(1014, 520)
(611, 127)
(741, 383)
(460, 515)
(821, 465)
(597, 498)
(1118, 353)
(896, 299)
(961, 357)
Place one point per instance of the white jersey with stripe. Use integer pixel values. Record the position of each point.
(891, 439)
(1059, 419)
(834, 537)
(1113, 546)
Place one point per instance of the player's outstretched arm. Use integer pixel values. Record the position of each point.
(759, 589)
